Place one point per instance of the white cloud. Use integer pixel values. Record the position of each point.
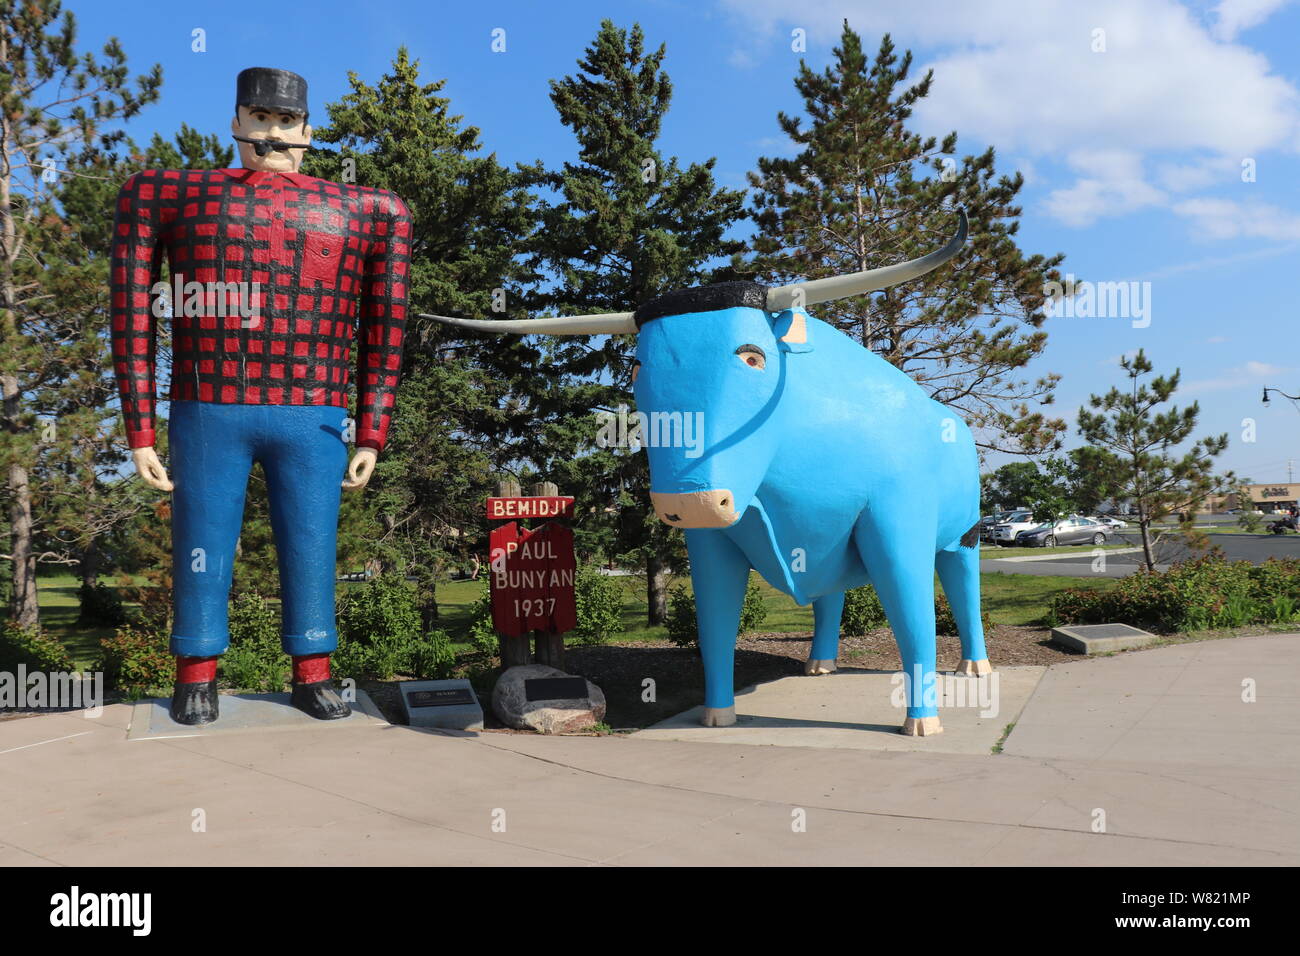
(1233, 16)
(1171, 105)
(1251, 374)
(1227, 219)
(742, 59)
(1110, 183)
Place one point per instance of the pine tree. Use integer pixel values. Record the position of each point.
(53, 102)
(626, 225)
(464, 405)
(864, 191)
(1132, 447)
(81, 499)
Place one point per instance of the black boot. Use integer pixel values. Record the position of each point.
(319, 699)
(195, 703)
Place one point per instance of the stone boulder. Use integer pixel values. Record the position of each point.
(510, 703)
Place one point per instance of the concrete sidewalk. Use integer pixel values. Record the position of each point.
(1160, 741)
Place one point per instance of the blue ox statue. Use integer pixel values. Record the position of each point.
(823, 468)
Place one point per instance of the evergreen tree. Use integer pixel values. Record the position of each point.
(864, 191)
(624, 226)
(1132, 448)
(80, 495)
(464, 407)
(53, 102)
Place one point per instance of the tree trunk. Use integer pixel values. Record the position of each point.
(1144, 526)
(89, 564)
(656, 579)
(24, 608)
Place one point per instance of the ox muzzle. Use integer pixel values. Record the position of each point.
(696, 509)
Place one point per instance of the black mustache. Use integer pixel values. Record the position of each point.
(264, 146)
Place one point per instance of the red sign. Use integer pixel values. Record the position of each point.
(532, 574)
(504, 509)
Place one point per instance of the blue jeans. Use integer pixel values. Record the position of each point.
(303, 454)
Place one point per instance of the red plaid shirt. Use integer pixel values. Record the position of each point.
(315, 248)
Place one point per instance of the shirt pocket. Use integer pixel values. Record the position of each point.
(320, 256)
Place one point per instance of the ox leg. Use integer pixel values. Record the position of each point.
(900, 561)
(827, 610)
(959, 572)
(719, 575)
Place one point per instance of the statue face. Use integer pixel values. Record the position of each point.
(259, 123)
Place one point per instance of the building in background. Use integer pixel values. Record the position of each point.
(1268, 498)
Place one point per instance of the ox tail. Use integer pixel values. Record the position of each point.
(971, 538)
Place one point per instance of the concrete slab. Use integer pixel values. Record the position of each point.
(1101, 638)
(853, 709)
(1182, 705)
(76, 791)
(241, 713)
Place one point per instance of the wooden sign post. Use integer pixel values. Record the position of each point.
(531, 574)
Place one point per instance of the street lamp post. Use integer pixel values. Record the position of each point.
(1294, 398)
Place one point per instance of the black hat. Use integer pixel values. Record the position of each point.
(271, 89)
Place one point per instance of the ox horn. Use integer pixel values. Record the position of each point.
(813, 291)
(610, 323)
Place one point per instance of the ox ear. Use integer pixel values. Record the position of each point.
(791, 330)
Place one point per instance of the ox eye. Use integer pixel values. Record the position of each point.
(752, 356)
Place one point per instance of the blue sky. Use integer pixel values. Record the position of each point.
(1130, 121)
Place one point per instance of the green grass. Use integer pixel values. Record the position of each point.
(1018, 599)
(59, 608)
(1022, 599)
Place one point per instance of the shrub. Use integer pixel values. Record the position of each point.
(254, 661)
(379, 628)
(754, 611)
(100, 605)
(862, 611)
(945, 623)
(246, 668)
(1282, 610)
(1205, 592)
(137, 662)
(683, 629)
(31, 647)
(433, 658)
(600, 607)
(482, 635)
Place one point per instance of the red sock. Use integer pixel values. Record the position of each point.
(310, 668)
(195, 670)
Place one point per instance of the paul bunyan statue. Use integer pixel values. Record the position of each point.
(273, 272)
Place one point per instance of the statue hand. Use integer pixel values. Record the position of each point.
(150, 469)
(360, 469)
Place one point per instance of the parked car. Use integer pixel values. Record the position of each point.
(1005, 531)
(1073, 530)
(1113, 523)
(991, 521)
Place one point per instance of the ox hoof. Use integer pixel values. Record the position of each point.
(920, 727)
(813, 668)
(968, 668)
(718, 716)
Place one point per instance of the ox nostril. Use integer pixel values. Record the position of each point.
(725, 502)
(672, 517)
